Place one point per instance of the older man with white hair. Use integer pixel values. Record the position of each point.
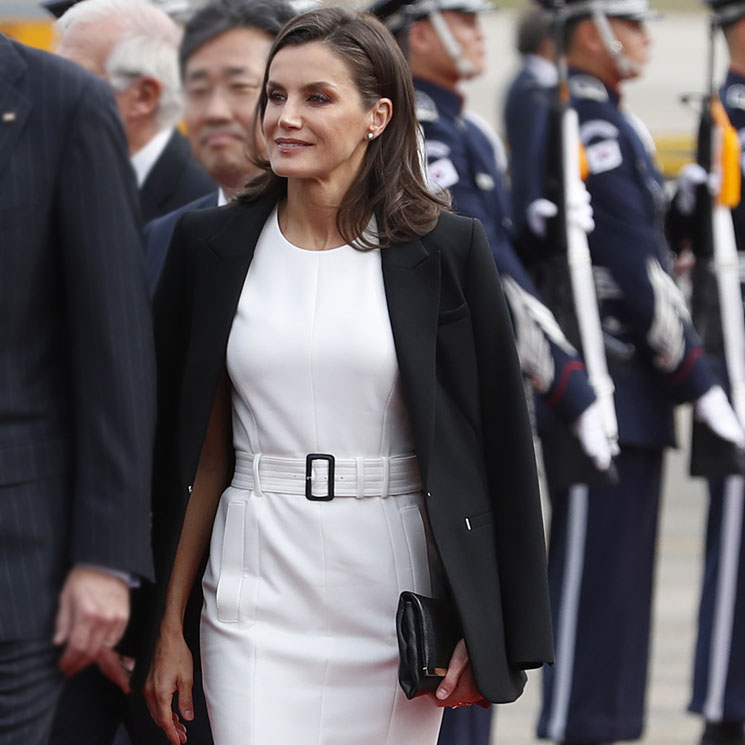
(134, 45)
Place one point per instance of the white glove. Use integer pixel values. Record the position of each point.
(714, 410)
(537, 214)
(591, 435)
(579, 210)
(579, 213)
(691, 176)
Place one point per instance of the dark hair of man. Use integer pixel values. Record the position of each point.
(390, 184)
(533, 28)
(220, 16)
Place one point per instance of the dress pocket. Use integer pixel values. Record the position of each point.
(230, 580)
(416, 543)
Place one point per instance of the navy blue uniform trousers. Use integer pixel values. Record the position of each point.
(467, 725)
(601, 568)
(719, 673)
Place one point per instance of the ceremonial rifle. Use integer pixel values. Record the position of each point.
(722, 324)
(565, 184)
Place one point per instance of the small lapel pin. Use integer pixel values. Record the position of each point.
(9, 116)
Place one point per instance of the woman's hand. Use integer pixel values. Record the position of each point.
(172, 671)
(458, 687)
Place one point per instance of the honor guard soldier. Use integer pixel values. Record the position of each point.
(445, 45)
(528, 97)
(719, 671)
(602, 539)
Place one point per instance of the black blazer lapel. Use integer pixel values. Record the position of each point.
(411, 274)
(14, 106)
(232, 249)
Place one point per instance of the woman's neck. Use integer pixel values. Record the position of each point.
(308, 216)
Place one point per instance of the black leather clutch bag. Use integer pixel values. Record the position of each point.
(428, 630)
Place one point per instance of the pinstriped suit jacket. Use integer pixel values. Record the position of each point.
(76, 359)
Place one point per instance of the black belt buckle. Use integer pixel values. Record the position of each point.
(309, 477)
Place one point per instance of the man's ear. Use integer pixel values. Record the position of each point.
(421, 35)
(143, 97)
(587, 38)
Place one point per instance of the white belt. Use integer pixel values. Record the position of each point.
(309, 476)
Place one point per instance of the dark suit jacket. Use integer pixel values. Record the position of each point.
(158, 235)
(462, 385)
(174, 180)
(77, 374)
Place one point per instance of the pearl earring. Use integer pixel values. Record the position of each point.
(370, 135)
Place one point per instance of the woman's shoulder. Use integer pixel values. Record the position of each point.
(206, 224)
(450, 221)
(452, 235)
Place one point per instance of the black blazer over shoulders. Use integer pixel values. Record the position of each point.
(463, 388)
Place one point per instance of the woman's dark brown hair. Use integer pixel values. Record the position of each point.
(390, 184)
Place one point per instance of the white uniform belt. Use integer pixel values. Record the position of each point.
(353, 477)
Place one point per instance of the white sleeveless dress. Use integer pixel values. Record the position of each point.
(298, 626)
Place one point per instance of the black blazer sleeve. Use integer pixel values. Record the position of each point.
(511, 466)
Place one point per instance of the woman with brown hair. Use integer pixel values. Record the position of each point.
(341, 410)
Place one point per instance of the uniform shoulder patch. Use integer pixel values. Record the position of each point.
(598, 129)
(603, 156)
(426, 108)
(436, 149)
(736, 97)
(589, 88)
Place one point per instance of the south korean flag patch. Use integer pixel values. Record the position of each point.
(442, 174)
(603, 156)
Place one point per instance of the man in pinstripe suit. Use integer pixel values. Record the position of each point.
(76, 383)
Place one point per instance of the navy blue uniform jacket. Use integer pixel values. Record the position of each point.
(661, 360)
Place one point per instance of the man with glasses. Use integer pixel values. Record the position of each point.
(222, 58)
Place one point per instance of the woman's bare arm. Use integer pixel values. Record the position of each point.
(172, 668)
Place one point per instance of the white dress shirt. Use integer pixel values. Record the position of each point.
(146, 157)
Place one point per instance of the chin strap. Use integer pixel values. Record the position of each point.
(626, 67)
(452, 47)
